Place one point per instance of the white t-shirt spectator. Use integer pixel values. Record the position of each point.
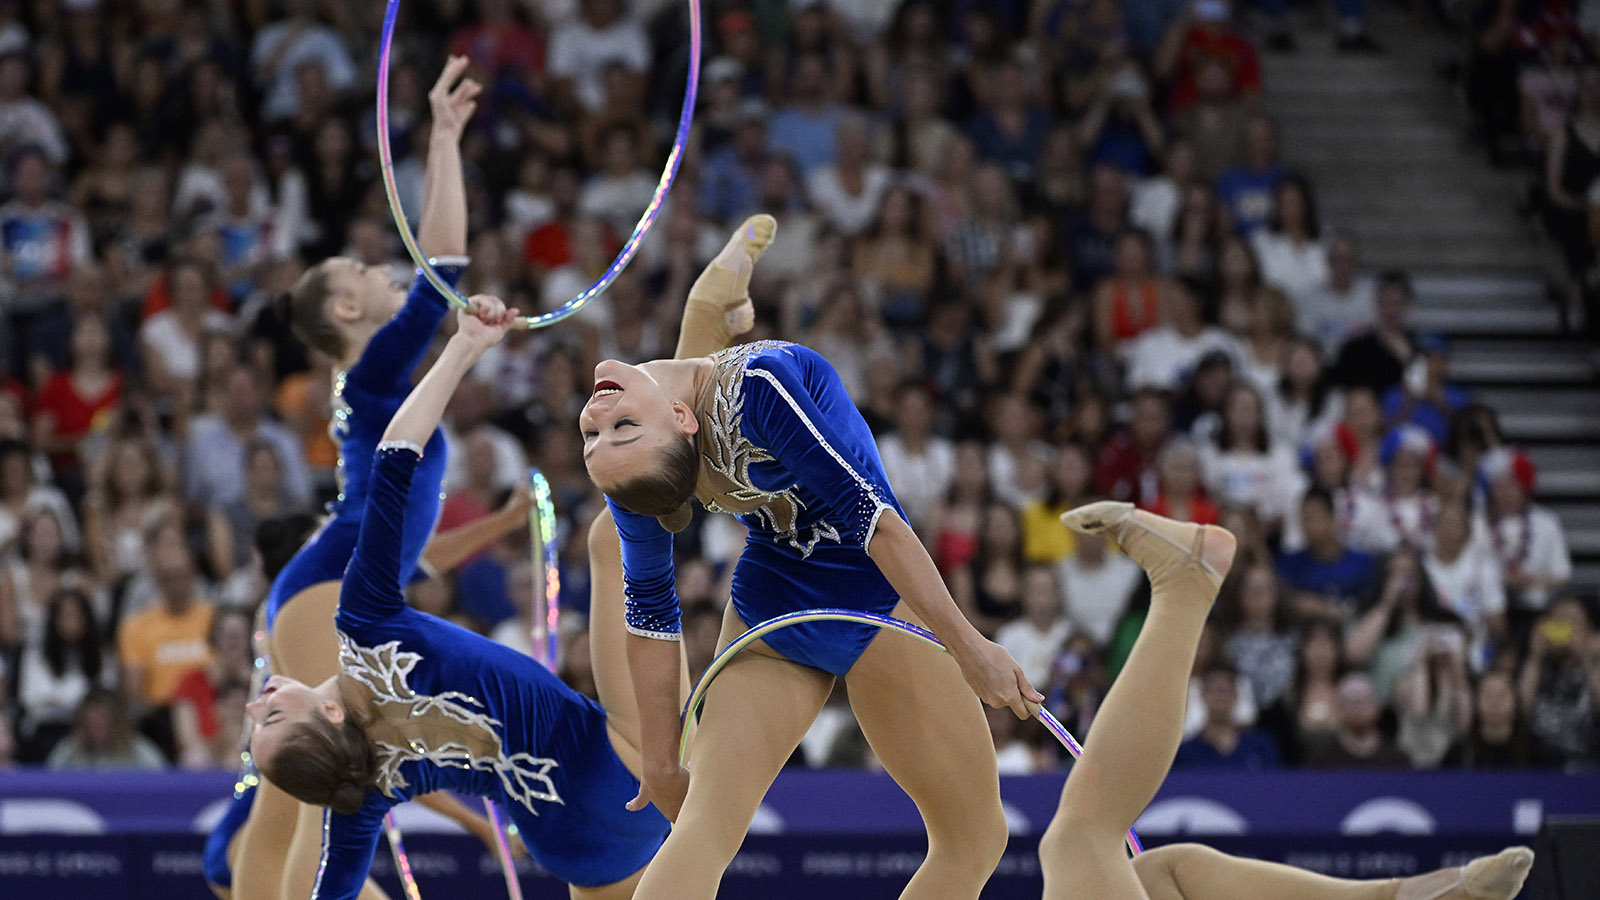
(1533, 544)
(1010, 477)
(1164, 359)
(1033, 649)
(1379, 524)
(618, 201)
(1097, 597)
(581, 52)
(1470, 587)
(307, 45)
(510, 461)
(920, 480)
(179, 353)
(1330, 317)
(850, 213)
(1297, 270)
(1266, 482)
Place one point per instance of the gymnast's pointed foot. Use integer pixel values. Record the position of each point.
(726, 281)
(1193, 558)
(1497, 877)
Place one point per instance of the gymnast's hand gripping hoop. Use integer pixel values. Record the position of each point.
(629, 247)
(888, 623)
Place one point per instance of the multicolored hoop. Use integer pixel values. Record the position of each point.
(629, 247)
(888, 623)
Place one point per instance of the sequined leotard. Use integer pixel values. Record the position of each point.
(784, 448)
(469, 715)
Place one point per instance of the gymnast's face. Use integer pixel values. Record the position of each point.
(282, 703)
(361, 292)
(629, 418)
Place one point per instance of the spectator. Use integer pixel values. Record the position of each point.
(805, 126)
(1377, 359)
(981, 238)
(198, 724)
(919, 138)
(1097, 584)
(731, 183)
(214, 455)
(1302, 403)
(897, 257)
(1197, 411)
(1190, 248)
(1216, 124)
(1426, 399)
(1237, 282)
(1327, 576)
(1560, 684)
(849, 332)
(1035, 639)
(43, 562)
(57, 673)
(1314, 701)
(958, 521)
(159, 645)
(1182, 495)
(1400, 620)
(76, 403)
(1009, 129)
(1018, 459)
(1094, 234)
(1260, 643)
(1267, 343)
(990, 589)
(231, 527)
(1527, 539)
(1157, 201)
(1241, 465)
(126, 493)
(622, 189)
(1126, 469)
(1206, 32)
(284, 49)
(920, 464)
(170, 340)
(1572, 164)
(1466, 576)
(847, 191)
(103, 738)
(1133, 301)
(1247, 190)
(1044, 538)
(1499, 737)
(42, 239)
(24, 120)
(1434, 698)
(1401, 514)
(1120, 127)
(1343, 306)
(1293, 257)
(1358, 743)
(1221, 743)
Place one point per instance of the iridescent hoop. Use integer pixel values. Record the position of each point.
(629, 248)
(889, 623)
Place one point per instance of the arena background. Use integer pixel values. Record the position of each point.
(1204, 256)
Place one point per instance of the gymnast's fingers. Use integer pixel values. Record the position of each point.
(638, 802)
(452, 70)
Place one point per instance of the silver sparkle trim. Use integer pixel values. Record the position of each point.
(655, 635)
(384, 670)
(401, 445)
(870, 491)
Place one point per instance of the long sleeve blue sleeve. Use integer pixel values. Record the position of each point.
(348, 843)
(400, 344)
(782, 416)
(648, 580)
(372, 589)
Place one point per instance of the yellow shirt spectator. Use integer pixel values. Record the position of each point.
(158, 647)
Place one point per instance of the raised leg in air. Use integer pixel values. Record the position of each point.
(1131, 744)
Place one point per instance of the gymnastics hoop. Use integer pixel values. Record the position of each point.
(402, 862)
(629, 247)
(546, 631)
(888, 623)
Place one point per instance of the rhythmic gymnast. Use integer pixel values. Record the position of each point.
(376, 336)
(767, 432)
(1135, 735)
(420, 705)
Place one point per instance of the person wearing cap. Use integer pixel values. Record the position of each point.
(767, 432)
(1402, 514)
(1527, 538)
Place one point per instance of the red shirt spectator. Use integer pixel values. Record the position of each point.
(1211, 40)
(76, 415)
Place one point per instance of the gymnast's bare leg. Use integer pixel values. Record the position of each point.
(1133, 740)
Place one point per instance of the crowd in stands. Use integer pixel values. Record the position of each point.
(1050, 247)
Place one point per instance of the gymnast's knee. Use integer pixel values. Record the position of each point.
(977, 838)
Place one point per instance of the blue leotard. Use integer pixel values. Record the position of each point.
(516, 733)
(365, 399)
(801, 470)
